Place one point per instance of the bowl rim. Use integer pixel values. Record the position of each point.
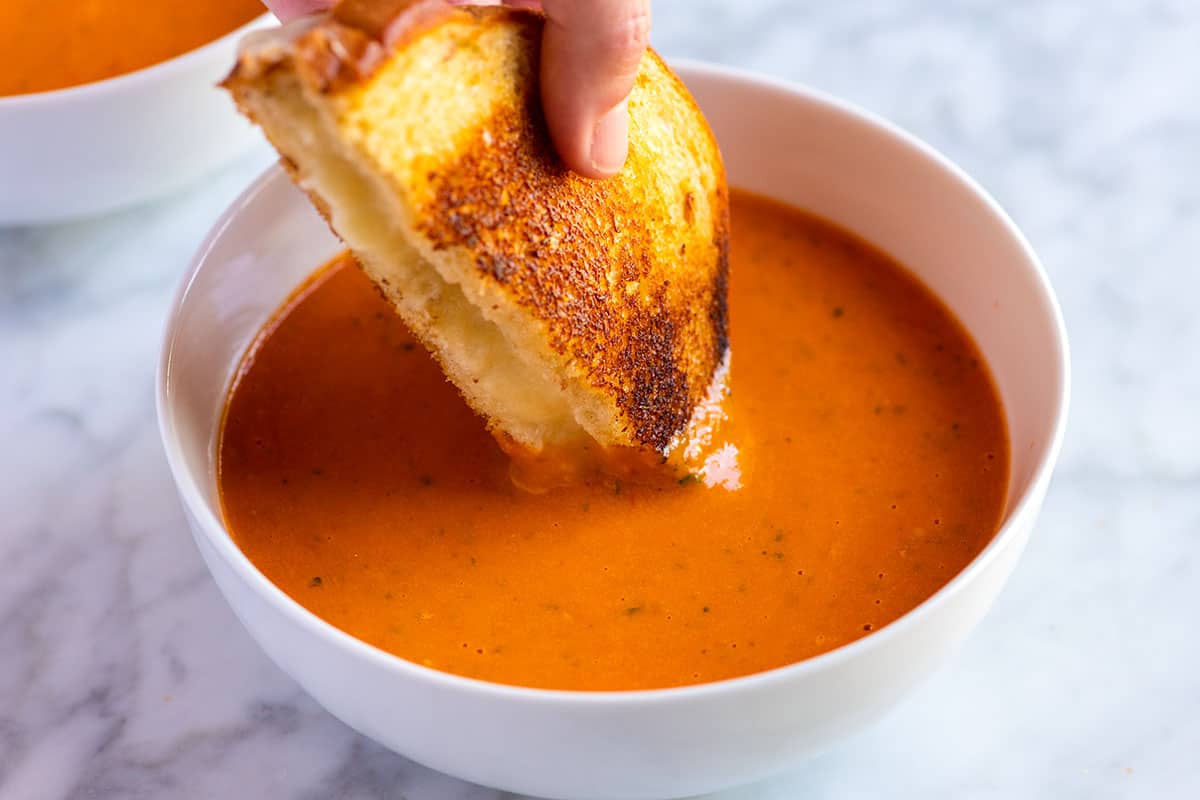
(132, 81)
(690, 70)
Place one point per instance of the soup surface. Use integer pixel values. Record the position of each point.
(874, 462)
(53, 44)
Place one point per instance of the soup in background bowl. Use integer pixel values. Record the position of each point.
(57, 44)
(785, 143)
(106, 104)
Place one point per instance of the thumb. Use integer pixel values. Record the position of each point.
(591, 50)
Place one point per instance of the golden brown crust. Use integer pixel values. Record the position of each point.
(508, 194)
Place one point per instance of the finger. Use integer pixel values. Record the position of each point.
(290, 9)
(591, 50)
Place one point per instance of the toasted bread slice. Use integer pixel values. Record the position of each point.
(566, 310)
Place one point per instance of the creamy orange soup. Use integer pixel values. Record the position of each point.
(53, 44)
(874, 466)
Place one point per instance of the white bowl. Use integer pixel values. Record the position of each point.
(784, 141)
(101, 146)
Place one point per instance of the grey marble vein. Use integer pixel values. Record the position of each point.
(124, 675)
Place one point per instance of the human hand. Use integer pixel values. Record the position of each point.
(591, 50)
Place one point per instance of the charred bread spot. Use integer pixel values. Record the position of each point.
(718, 309)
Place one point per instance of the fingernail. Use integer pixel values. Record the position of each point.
(610, 140)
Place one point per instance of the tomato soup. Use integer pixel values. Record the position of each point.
(873, 452)
(53, 44)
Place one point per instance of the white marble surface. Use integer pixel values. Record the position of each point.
(123, 674)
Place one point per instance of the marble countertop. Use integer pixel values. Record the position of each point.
(124, 674)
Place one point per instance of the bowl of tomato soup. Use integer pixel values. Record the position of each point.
(900, 384)
(105, 104)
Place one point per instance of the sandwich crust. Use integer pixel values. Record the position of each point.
(609, 295)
